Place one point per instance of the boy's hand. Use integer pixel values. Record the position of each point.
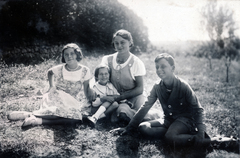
(119, 131)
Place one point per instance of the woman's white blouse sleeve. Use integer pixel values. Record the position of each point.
(138, 68)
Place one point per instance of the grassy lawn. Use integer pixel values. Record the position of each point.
(19, 85)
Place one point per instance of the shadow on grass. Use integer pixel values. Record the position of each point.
(127, 146)
(64, 133)
(14, 154)
(63, 137)
(187, 152)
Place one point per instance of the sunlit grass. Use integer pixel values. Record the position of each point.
(19, 85)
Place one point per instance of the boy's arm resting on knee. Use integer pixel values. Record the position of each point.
(140, 114)
(133, 124)
(138, 117)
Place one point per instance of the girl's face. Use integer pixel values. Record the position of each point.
(121, 45)
(69, 55)
(163, 69)
(103, 76)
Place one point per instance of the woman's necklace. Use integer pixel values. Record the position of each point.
(121, 60)
(71, 69)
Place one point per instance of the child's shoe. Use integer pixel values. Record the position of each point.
(18, 115)
(93, 120)
(32, 121)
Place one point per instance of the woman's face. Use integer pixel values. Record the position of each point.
(163, 69)
(121, 45)
(103, 76)
(69, 55)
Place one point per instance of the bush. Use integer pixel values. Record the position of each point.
(91, 23)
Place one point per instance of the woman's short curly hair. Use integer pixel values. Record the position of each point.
(167, 57)
(96, 72)
(125, 35)
(77, 51)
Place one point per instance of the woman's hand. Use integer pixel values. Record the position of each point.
(107, 98)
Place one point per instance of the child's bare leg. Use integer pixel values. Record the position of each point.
(33, 121)
(152, 129)
(111, 108)
(59, 121)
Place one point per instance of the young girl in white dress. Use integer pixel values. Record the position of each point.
(104, 90)
(65, 99)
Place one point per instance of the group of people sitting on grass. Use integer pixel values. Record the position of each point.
(117, 93)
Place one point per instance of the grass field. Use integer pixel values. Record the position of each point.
(19, 85)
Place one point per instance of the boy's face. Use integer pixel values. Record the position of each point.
(103, 76)
(163, 69)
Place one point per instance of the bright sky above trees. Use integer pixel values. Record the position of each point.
(176, 20)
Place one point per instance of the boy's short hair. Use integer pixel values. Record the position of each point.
(125, 35)
(77, 51)
(96, 72)
(167, 57)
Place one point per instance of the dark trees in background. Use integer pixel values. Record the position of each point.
(27, 24)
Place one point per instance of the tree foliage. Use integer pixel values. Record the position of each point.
(90, 23)
(217, 20)
(220, 25)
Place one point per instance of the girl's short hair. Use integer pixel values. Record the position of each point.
(77, 51)
(167, 57)
(125, 35)
(96, 72)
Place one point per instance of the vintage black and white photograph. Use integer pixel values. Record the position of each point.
(119, 79)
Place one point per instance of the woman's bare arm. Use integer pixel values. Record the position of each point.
(134, 92)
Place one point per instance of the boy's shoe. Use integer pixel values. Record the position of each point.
(32, 121)
(93, 120)
(18, 115)
(225, 143)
